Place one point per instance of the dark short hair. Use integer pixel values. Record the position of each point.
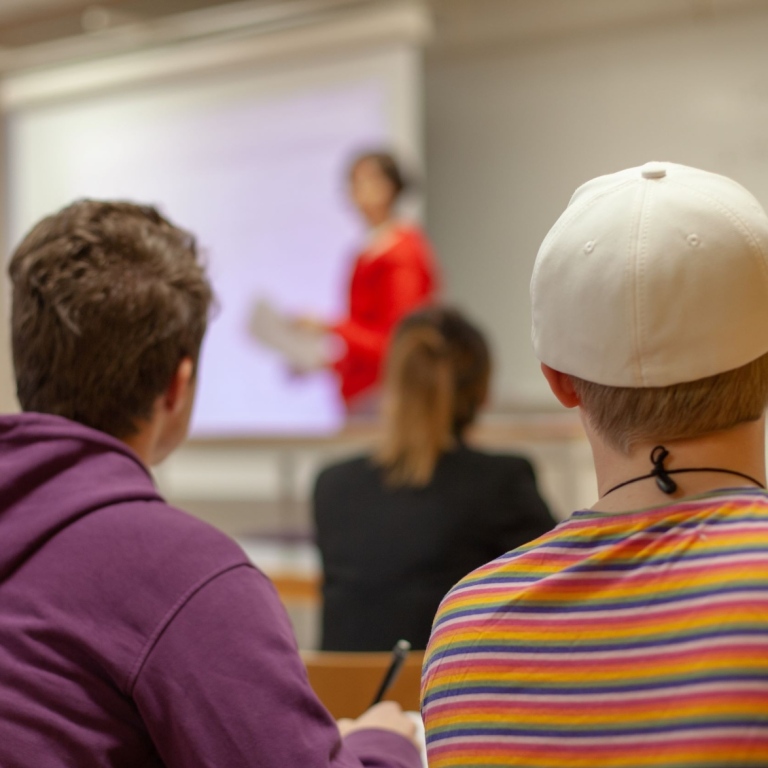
(108, 299)
(387, 165)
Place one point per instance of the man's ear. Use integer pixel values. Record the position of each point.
(181, 386)
(561, 386)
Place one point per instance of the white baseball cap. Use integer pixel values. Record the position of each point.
(653, 276)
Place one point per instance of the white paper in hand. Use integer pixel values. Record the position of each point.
(303, 351)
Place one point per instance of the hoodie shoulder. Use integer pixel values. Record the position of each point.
(92, 555)
(126, 568)
(152, 532)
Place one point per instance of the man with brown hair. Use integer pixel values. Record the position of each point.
(636, 633)
(132, 634)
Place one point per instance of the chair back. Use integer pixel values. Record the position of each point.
(347, 682)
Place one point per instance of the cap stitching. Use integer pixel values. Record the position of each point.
(642, 284)
(564, 221)
(587, 205)
(755, 242)
(741, 220)
(633, 268)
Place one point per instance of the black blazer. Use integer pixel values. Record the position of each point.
(390, 555)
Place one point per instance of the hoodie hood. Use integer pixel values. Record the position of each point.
(54, 471)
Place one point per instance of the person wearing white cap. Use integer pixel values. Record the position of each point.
(635, 633)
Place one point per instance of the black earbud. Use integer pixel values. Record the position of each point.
(665, 483)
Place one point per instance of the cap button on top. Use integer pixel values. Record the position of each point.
(653, 171)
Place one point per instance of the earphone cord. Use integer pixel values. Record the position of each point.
(662, 475)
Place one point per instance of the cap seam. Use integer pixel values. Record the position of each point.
(739, 224)
(573, 212)
(634, 268)
(654, 230)
(561, 223)
(586, 206)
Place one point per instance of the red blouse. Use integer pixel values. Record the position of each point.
(384, 288)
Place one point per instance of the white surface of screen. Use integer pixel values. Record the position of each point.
(254, 164)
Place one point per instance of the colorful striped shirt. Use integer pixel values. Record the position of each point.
(632, 640)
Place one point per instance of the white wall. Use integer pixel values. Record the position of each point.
(512, 131)
(527, 99)
(244, 139)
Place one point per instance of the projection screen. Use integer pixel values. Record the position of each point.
(252, 158)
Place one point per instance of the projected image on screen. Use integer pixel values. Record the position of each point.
(256, 169)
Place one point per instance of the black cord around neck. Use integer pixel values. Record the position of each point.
(662, 475)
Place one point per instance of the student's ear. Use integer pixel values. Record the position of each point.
(561, 386)
(181, 387)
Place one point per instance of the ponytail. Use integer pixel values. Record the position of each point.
(419, 407)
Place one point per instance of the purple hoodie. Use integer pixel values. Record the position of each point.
(132, 634)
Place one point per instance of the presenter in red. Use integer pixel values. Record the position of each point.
(394, 274)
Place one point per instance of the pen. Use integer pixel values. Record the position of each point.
(399, 655)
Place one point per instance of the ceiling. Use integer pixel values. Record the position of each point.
(35, 31)
(31, 22)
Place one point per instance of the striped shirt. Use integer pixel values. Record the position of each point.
(631, 640)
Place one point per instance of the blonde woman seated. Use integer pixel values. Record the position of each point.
(398, 529)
